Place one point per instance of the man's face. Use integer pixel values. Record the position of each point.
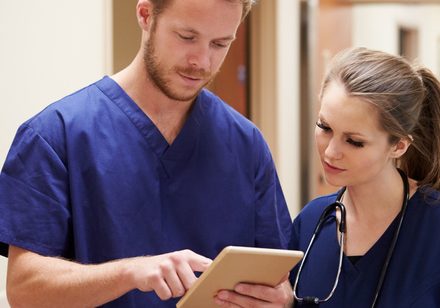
(187, 44)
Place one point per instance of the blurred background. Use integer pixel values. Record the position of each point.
(50, 48)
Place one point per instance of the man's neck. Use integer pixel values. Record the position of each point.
(168, 115)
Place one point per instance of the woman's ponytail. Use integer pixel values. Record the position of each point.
(422, 160)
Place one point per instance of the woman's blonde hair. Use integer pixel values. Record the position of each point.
(407, 98)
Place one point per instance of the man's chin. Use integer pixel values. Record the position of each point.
(184, 97)
(189, 94)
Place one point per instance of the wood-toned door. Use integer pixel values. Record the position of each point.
(326, 29)
(232, 82)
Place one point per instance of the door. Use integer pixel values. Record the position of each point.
(231, 83)
(326, 29)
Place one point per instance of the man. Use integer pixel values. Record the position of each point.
(133, 183)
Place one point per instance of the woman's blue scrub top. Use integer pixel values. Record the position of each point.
(413, 277)
(92, 179)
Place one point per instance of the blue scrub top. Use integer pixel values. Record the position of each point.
(92, 179)
(413, 277)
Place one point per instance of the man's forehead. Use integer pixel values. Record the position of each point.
(214, 17)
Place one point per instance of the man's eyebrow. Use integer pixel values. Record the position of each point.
(227, 38)
(195, 32)
(191, 30)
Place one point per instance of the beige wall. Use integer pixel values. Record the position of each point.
(275, 88)
(126, 33)
(287, 118)
(369, 20)
(48, 49)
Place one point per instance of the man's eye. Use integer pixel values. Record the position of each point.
(323, 127)
(186, 38)
(220, 45)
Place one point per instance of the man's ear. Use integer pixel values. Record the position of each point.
(400, 147)
(144, 13)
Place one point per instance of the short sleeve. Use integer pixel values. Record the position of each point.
(273, 218)
(34, 205)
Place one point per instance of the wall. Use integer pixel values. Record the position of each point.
(47, 50)
(126, 33)
(275, 88)
(288, 123)
(330, 31)
(369, 20)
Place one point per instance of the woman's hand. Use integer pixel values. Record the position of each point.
(252, 295)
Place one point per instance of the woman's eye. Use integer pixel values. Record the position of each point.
(323, 127)
(357, 144)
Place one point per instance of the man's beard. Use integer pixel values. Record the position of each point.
(157, 73)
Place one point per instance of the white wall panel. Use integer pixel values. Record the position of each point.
(376, 26)
(48, 49)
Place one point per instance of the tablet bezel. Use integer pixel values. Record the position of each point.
(237, 264)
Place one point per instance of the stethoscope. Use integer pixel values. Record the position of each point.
(342, 230)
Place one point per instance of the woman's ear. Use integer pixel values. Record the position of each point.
(144, 13)
(401, 147)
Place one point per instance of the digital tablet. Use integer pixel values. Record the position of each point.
(237, 264)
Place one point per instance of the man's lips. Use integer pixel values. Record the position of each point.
(193, 73)
(191, 81)
(190, 77)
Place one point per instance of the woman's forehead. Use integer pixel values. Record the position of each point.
(349, 113)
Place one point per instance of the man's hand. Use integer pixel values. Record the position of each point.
(39, 281)
(169, 275)
(250, 295)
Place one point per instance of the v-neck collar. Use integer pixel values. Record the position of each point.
(182, 146)
(374, 253)
(379, 248)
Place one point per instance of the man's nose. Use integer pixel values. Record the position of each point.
(200, 57)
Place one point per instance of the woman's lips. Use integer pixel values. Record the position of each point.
(332, 169)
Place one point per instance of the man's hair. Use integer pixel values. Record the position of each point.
(160, 6)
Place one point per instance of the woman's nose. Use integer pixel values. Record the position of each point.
(333, 149)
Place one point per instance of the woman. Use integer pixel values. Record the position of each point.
(378, 137)
(378, 129)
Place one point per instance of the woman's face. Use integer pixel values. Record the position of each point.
(352, 146)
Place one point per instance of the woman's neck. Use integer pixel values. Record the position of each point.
(371, 208)
(375, 199)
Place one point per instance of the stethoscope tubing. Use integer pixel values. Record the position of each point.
(342, 228)
(394, 240)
